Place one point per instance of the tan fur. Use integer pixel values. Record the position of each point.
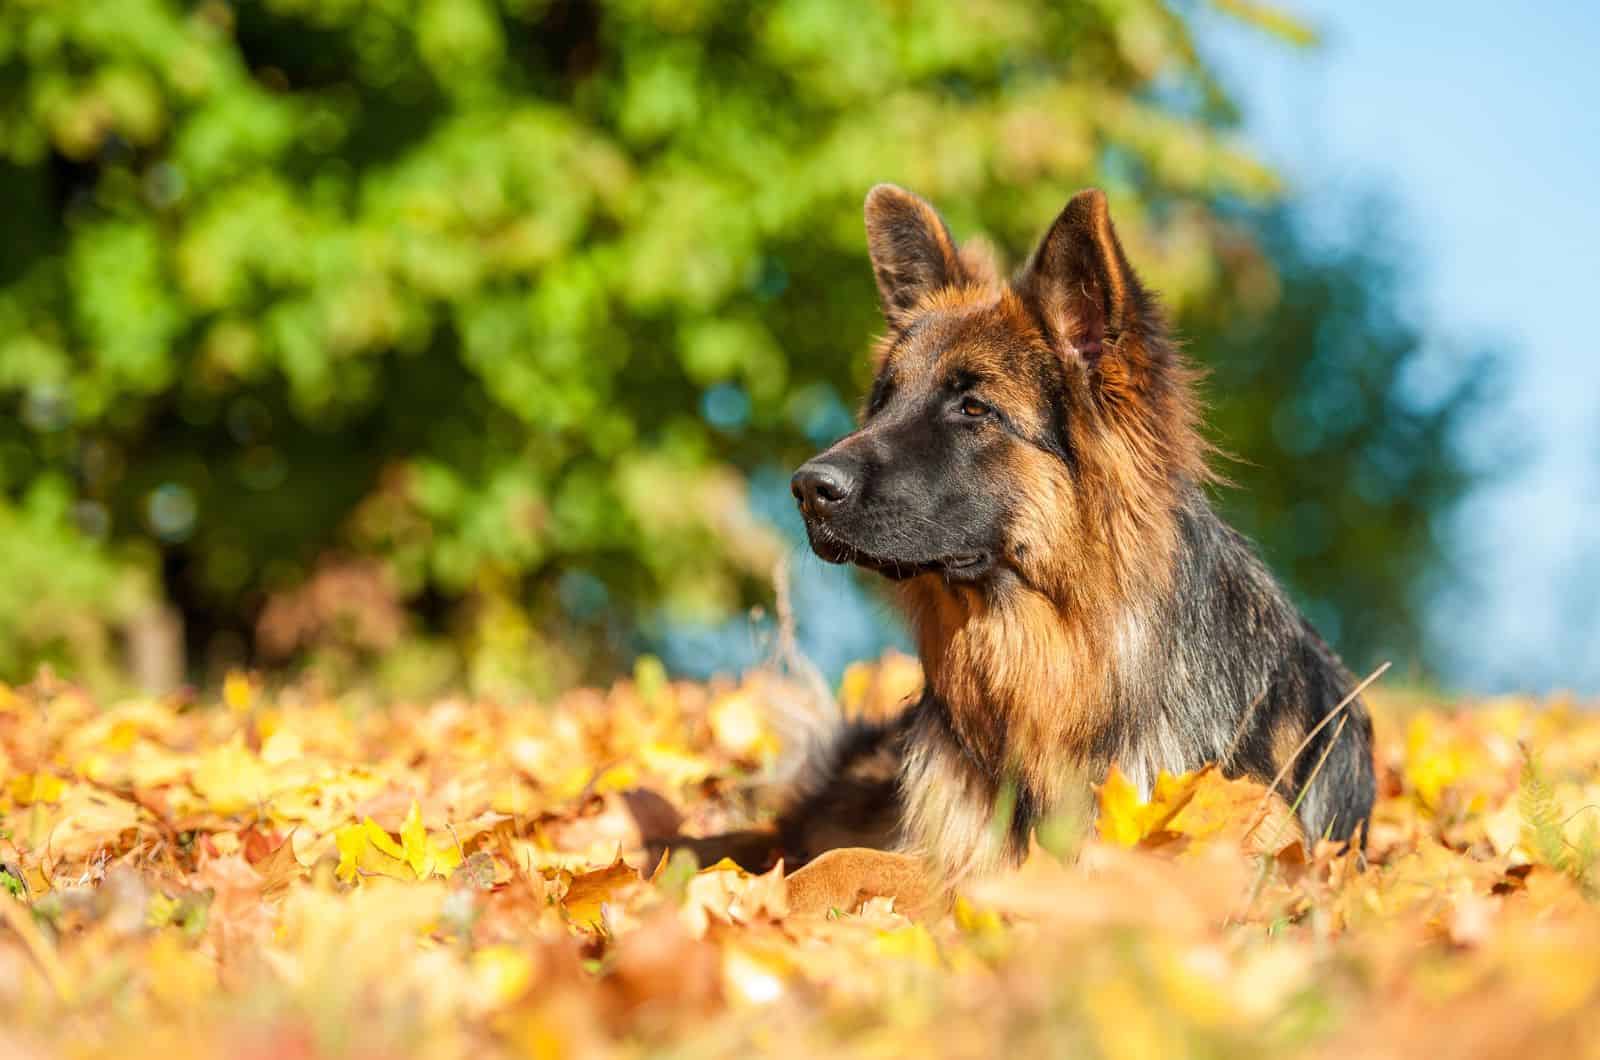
(1287, 736)
(844, 878)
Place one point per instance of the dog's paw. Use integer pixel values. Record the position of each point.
(844, 878)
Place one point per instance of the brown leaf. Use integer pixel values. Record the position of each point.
(663, 975)
(279, 868)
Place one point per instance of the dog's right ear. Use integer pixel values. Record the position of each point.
(912, 252)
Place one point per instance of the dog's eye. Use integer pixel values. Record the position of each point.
(973, 407)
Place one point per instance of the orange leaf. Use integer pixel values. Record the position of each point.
(590, 891)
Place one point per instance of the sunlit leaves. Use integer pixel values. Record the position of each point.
(1203, 805)
(366, 849)
(251, 869)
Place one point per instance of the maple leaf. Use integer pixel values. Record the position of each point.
(1203, 806)
(279, 869)
(1126, 817)
(588, 892)
(367, 849)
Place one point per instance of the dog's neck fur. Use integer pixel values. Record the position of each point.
(1029, 690)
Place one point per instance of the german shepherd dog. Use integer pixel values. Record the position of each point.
(1030, 473)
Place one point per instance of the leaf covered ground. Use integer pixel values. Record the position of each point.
(280, 873)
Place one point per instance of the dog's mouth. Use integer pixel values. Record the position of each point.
(961, 566)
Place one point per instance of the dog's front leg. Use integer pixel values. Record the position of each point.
(843, 878)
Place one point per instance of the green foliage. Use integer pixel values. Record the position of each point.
(1541, 817)
(1545, 830)
(60, 589)
(444, 285)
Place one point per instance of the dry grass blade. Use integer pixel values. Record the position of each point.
(19, 918)
(1336, 712)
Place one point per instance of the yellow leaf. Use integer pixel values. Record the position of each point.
(674, 764)
(160, 909)
(414, 843)
(122, 736)
(282, 745)
(351, 841)
(435, 854)
(382, 840)
(501, 974)
(1214, 807)
(854, 686)
(445, 854)
(1503, 828)
(229, 778)
(238, 691)
(911, 942)
(178, 976)
(650, 678)
(1123, 814)
(875, 690)
(367, 850)
(1442, 754)
(1126, 1023)
(739, 726)
(87, 821)
(983, 923)
(1200, 805)
(30, 788)
(725, 865)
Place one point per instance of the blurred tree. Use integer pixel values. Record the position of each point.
(1342, 425)
(476, 306)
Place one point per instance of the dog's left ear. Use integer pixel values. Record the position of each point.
(1080, 282)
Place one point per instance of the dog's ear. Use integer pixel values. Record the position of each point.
(1080, 282)
(912, 252)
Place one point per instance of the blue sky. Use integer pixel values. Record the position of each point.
(1481, 124)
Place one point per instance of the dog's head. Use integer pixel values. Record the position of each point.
(1015, 430)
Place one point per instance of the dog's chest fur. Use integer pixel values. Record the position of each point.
(1026, 698)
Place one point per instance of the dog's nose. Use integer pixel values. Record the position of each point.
(821, 489)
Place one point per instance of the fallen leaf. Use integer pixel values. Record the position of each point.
(279, 868)
(588, 892)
